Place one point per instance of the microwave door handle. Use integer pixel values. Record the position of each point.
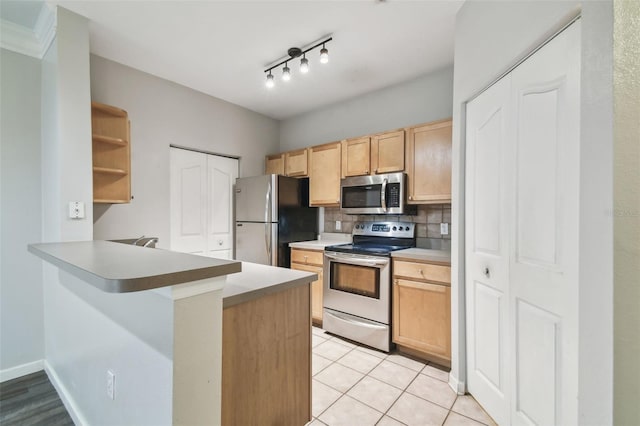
(383, 194)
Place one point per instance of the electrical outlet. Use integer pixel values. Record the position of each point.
(444, 229)
(76, 210)
(111, 384)
(338, 225)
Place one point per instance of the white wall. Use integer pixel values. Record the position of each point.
(21, 317)
(626, 212)
(164, 113)
(490, 38)
(426, 98)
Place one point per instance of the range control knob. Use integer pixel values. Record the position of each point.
(400, 229)
(394, 228)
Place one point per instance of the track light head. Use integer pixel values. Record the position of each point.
(270, 83)
(286, 73)
(324, 55)
(304, 65)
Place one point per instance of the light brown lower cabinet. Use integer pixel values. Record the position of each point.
(422, 310)
(266, 360)
(311, 261)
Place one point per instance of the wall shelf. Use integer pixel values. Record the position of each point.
(109, 140)
(111, 154)
(110, 171)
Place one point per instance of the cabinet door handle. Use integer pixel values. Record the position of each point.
(420, 272)
(410, 197)
(486, 272)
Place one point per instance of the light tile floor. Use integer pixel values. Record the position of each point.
(355, 385)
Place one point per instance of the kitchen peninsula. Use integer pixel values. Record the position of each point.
(165, 352)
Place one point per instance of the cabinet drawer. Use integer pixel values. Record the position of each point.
(422, 271)
(307, 257)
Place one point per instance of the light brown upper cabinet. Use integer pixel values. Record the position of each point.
(356, 157)
(387, 152)
(429, 163)
(274, 164)
(324, 175)
(297, 163)
(111, 154)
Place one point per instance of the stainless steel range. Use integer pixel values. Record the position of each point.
(357, 282)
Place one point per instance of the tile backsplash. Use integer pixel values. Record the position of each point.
(427, 219)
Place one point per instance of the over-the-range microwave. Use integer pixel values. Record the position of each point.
(375, 194)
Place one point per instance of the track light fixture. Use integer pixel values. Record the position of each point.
(296, 52)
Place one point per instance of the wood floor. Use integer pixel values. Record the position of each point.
(31, 400)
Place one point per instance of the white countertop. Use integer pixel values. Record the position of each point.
(428, 255)
(326, 239)
(256, 281)
(121, 268)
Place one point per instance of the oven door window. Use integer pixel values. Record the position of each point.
(360, 280)
(361, 196)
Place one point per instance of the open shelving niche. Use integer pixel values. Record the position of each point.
(111, 154)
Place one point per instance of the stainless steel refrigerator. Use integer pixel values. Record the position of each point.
(271, 212)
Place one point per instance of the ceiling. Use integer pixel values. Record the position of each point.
(221, 48)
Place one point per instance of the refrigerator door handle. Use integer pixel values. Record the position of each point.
(267, 204)
(267, 240)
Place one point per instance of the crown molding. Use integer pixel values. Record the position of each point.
(32, 42)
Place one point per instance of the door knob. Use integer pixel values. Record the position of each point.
(220, 242)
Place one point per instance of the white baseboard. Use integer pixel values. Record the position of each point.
(21, 370)
(66, 398)
(458, 387)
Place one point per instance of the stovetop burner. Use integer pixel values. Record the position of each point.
(378, 238)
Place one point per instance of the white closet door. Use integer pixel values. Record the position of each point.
(222, 174)
(188, 172)
(522, 183)
(202, 203)
(544, 242)
(487, 259)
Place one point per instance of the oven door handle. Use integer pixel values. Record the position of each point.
(359, 262)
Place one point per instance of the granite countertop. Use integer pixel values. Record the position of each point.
(428, 255)
(257, 281)
(120, 268)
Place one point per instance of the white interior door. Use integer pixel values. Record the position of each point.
(544, 242)
(522, 238)
(222, 174)
(188, 206)
(202, 203)
(487, 258)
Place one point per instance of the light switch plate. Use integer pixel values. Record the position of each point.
(444, 229)
(338, 225)
(76, 210)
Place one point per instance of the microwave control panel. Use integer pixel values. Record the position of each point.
(393, 195)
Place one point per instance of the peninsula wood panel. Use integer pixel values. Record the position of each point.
(266, 360)
(356, 157)
(324, 175)
(387, 152)
(429, 163)
(297, 163)
(274, 164)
